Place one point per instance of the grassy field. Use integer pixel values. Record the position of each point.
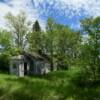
(61, 85)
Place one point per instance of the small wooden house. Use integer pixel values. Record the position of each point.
(29, 64)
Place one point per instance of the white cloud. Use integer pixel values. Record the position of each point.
(90, 7)
(15, 6)
(68, 9)
(35, 8)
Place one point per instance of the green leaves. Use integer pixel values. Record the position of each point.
(5, 40)
(92, 27)
(19, 28)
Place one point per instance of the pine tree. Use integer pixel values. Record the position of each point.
(35, 38)
(36, 27)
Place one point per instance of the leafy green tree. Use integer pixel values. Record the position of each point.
(50, 40)
(6, 44)
(19, 28)
(92, 46)
(61, 44)
(67, 46)
(6, 41)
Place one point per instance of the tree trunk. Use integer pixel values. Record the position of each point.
(51, 62)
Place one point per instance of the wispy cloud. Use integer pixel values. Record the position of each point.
(60, 9)
(68, 11)
(15, 6)
(69, 7)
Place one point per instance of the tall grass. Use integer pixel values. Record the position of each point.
(62, 85)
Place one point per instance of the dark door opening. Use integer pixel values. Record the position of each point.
(25, 68)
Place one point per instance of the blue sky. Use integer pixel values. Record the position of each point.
(68, 12)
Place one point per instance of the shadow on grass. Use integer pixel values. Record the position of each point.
(78, 93)
(79, 88)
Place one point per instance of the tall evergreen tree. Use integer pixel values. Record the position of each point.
(36, 27)
(35, 38)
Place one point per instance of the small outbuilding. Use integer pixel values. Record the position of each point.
(29, 64)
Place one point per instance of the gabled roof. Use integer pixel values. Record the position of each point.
(36, 56)
(31, 56)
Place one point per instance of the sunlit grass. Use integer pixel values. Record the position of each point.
(61, 85)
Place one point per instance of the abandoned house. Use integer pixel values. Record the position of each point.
(29, 64)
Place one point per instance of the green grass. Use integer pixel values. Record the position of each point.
(62, 85)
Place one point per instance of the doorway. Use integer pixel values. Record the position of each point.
(25, 68)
